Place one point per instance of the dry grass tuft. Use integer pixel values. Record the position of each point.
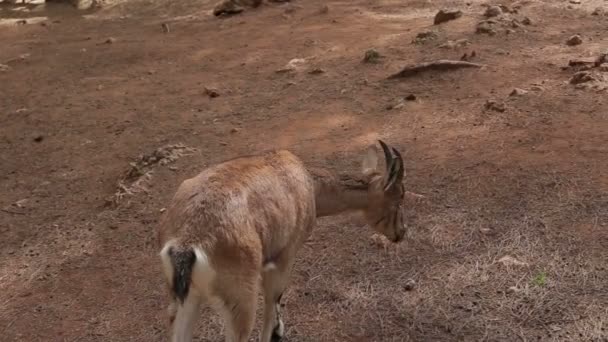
(139, 175)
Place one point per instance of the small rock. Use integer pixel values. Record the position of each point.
(165, 27)
(495, 106)
(516, 24)
(292, 65)
(575, 2)
(25, 293)
(223, 143)
(38, 138)
(409, 285)
(4, 67)
(372, 56)
(451, 44)
(555, 327)
(316, 71)
(537, 88)
(398, 104)
(162, 210)
(601, 59)
(582, 77)
(425, 36)
(212, 92)
(513, 289)
(446, 15)
(410, 97)
(598, 11)
(486, 27)
(226, 8)
(518, 92)
(507, 9)
(526, 21)
(380, 241)
(493, 11)
(508, 260)
(603, 67)
(324, 9)
(173, 168)
(574, 40)
(110, 40)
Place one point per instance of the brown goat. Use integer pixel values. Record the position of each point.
(246, 219)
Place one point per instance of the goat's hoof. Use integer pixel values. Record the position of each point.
(278, 332)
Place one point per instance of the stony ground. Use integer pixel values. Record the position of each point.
(509, 242)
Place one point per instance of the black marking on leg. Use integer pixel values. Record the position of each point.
(275, 334)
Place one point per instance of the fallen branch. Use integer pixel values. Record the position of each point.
(441, 65)
(12, 212)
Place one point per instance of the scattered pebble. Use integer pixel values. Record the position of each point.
(493, 11)
(409, 285)
(38, 138)
(598, 11)
(292, 65)
(513, 289)
(445, 15)
(583, 77)
(508, 260)
(518, 92)
(486, 27)
(165, 27)
(574, 40)
(110, 40)
(537, 88)
(4, 67)
(372, 56)
(495, 106)
(316, 71)
(324, 9)
(425, 36)
(411, 97)
(211, 92)
(234, 130)
(575, 2)
(451, 44)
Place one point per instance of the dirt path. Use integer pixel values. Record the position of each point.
(524, 176)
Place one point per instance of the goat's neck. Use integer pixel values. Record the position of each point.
(337, 193)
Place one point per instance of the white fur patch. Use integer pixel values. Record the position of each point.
(166, 260)
(269, 266)
(280, 330)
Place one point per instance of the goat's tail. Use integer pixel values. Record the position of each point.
(184, 265)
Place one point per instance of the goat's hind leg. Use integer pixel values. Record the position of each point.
(183, 316)
(275, 280)
(238, 307)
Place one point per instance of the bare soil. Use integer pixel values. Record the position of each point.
(83, 95)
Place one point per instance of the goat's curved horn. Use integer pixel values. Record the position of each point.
(388, 156)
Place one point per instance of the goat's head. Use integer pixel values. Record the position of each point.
(386, 192)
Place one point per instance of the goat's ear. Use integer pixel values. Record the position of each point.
(369, 165)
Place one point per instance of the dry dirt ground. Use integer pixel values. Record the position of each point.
(83, 95)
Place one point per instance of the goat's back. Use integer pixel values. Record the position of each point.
(248, 207)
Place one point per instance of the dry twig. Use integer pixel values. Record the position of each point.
(441, 65)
